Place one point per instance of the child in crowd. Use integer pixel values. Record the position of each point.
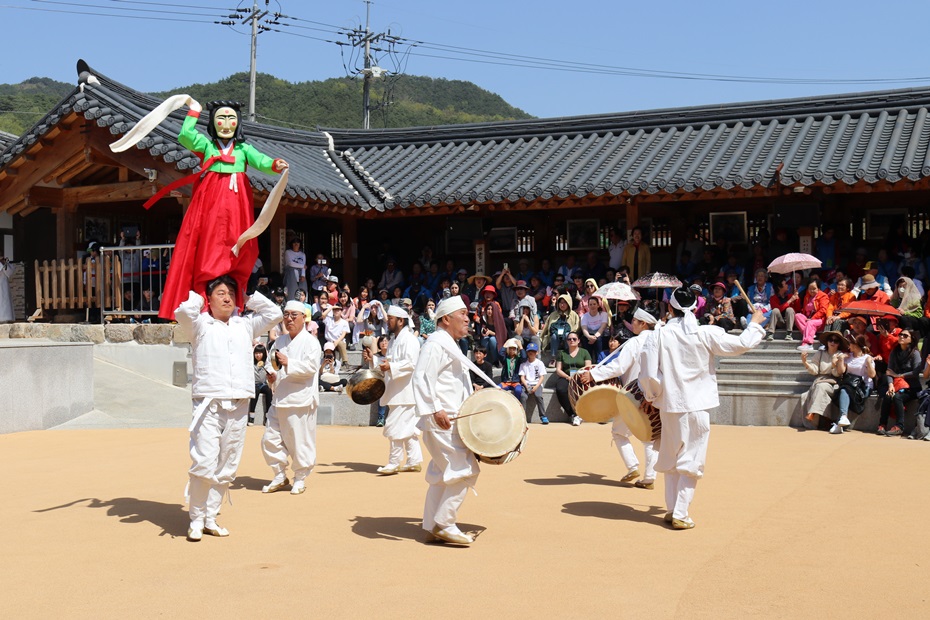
(481, 362)
(612, 345)
(376, 362)
(259, 359)
(329, 371)
(532, 375)
(512, 356)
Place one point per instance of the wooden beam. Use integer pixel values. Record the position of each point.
(29, 210)
(17, 207)
(45, 197)
(68, 163)
(65, 177)
(109, 192)
(135, 159)
(13, 190)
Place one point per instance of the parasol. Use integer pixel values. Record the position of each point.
(617, 290)
(794, 261)
(870, 308)
(657, 280)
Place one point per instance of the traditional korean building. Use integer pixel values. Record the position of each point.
(537, 188)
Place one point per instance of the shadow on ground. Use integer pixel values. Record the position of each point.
(171, 518)
(400, 528)
(583, 478)
(365, 468)
(616, 512)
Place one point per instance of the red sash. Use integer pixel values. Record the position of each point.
(191, 178)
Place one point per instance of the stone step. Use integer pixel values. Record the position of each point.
(751, 387)
(762, 375)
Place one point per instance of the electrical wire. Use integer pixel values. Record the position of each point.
(97, 6)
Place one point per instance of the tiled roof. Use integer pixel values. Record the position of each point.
(839, 139)
(6, 139)
(845, 139)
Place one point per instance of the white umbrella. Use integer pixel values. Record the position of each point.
(617, 290)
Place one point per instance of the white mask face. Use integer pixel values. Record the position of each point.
(901, 291)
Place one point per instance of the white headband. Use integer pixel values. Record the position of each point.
(644, 316)
(398, 312)
(689, 322)
(449, 305)
(295, 306)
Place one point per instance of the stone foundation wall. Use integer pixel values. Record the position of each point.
(97, 334)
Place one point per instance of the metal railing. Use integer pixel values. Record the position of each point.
(137, 273)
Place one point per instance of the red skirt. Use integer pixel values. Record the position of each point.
(217, 216)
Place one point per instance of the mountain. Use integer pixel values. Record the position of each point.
(337, 102)
(21, 105)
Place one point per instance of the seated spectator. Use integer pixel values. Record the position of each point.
(718, 309)
(590, 286)
(840, 298)
(329, 371)
(871, 278)
(259, 359)
(349, 313)
(477, 382)
(336, 330)
(148, 303)
(594, 326)
(813, 315)
(857, 370)
(707, 267)
(887, 268)
(855, 269)
(613, 343)
(433, 279)
(560, 323)
(539, 293)
(523, 270)
(858, 326)
(532, 376)
(567, 270)
(567, 364)
(488, 331)
(823, 366)
(511, 357)
(869, 289)
(761, 295)
(506, 294)
(902, 380)
(921, 431)
(546, 274)
(732, 266)
(908, 272)
(416, 276)
(907, 299)
(475, 284)
(700, 295)
(684, 268)
(521, 297)
(455, 289)
(526, 326)
(594, 268)
(888, 331)
(392, 277)
(361, 303)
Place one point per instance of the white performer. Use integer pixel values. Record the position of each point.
(400, 427)
(625, 364)
(291, 429)
(222, 386)
(440, 385)
(682, 360)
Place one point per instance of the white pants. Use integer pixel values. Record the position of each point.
(291, 431)
(401, 422)
(216, 442)
(452, 470)
(621, 434)
(411, 446)
(682, 454)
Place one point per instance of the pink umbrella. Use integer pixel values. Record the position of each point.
(794, 261)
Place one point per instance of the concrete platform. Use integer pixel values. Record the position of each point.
(44, 384)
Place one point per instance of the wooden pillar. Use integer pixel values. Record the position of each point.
(350, 251)
(278, 231)
(65, 230)
(632, 215)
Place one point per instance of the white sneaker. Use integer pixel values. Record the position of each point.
(743, 322)
(788, 336)
(844, 421)
(805, 348)
(576, 421)
(836, 429)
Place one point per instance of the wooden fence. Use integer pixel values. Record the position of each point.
(77, 284)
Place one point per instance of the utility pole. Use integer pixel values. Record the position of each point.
(254, 17)
(365, 39)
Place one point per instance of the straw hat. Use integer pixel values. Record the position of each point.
(825, 336)
(471, 279)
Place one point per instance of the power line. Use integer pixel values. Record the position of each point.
(97, 6)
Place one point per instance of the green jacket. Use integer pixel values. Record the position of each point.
(245, 154)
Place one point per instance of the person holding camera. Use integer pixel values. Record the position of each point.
(561, 322)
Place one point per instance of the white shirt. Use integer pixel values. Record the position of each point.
(616, 255)
(625, 364)
(334, 329)
(533, 371)
(222, 352)
(687, 363)
(594, 323)
(297, 384)
(296, 260)
(403, 351)
(257, 266)
(440, 381)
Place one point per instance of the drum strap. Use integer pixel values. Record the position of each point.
(453, 350)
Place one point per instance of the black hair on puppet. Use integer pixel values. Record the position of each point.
(212, 108)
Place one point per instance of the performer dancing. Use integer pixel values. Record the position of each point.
(400, 427)
(291, 429)
(440, 385)
(222, 386)
(221, 206)
(626, 366)
(682, 361)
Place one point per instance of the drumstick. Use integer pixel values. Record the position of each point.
(745, 296)
(468, 415)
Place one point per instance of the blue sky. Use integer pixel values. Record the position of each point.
(819, 40)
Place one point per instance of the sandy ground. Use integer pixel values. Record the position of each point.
(789, 524)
